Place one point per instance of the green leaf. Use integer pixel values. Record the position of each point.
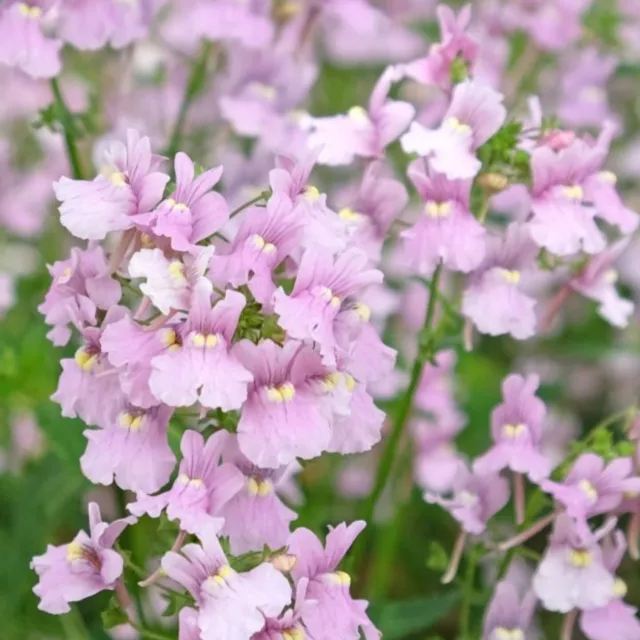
(398, 620)
(113, 615)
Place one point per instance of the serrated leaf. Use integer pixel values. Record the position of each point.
(398, 620)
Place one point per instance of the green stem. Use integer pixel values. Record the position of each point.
(425, 352)
(195, 85)
(484, 210)
(465, 614)
(144, 633)
(264, 195)
(66, 119)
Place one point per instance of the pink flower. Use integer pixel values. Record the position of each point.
(493, 299)
(202, 488)
(256, 515)
(516, 428)
(475, 499)
(284, 417)
(476, 113)
(23, 43)
(362, 132)
(508, 616)
(131, 449)
(320, 290)
(81, 285)
(192, 212)
(455, 44)
(231, 605)
(447, 230)
(593, 487)
(82, 568)
(170, 282)
(131, 185)
(263, 241)
(204, 367)
(569, 190)
(597, 281)
(92, 24)
(336, 614)
(572, 573)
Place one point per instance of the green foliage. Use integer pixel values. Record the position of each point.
(113, 615)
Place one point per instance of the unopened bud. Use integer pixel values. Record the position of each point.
(493, 182)
(284, 563)
(557, 140)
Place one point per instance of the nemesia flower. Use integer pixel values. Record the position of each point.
(455, 44)
(24, 44)
(362, 132)
(336, 614)
(82, 568)
(192, 212)
(204, 366)
(131, 185)
(616, 619)
(446, 231)
(474, 115)
(474, 500)
(321, 287)
(263, 241)
(81, 285)
(593, 487)
(88, 385)
(232, 605)
(256, 515)
(569, 190)
(572, 573)
(131, 449)
(89, 25)
(508, 616)
(170, 282)
(516, 428)
(597, 281)
(283, 417)
(202, 488)
(493, 299)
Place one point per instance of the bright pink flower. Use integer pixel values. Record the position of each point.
(263, 241)
(455, 45)
(202, 488)
(362, 132)
(92, 24)
(572, 573)
(474, 500)
(284, 416)
(231, 605)
(446, 231)
(475, 114)
(336, 614)
(203, 367)
(81, 285)
(193, 211)
(597, 281)
(131, 185)
(321, 288)
(256, 515)
(131, 449)
(23, 43)
(170, 282)
(82, 568)
(516, 428)
(494, 299)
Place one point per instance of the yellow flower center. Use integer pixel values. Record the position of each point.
(262, 245)
(284, 393)
(359, 115)
(131, 422)
(340, 578)
(512, 276)
(312, 193)
(176, 271)
(438, 209)
(574, 192)
(502, 633)
(201, 340)
(196, 483)
(65, 275)
(221, 576)
(588, 489)
(456, 125)
(265, 91)
(348, 214)
(293, 634)
(117, 179)
(261, 488)
(619, 588)
(608, 176)
(33, 13)
(580, 558)
(169, 339)
(514, 430)
(85, 360)
(178, 206)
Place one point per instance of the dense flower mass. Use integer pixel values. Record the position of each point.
(270, 270)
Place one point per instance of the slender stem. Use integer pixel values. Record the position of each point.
(159, 572)
(519, 497)
(518, 539)
(632, 536)
(67, 129)
(567, 627)
(425, 351)
(557, 302)
(465, 613)
(263, 195)
(454, 561)
(194, 87)
(484, 210)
